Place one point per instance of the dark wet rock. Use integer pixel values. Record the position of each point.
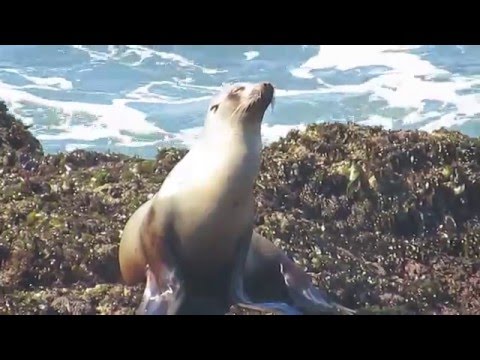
(388, 222)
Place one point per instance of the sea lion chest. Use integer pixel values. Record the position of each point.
(212, 197)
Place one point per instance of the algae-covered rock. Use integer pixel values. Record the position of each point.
(388, 222)
(373, 213)
(15, 137)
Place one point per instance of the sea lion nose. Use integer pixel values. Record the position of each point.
(267, 89)
(267, 86)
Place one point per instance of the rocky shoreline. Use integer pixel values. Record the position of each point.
(386, 221)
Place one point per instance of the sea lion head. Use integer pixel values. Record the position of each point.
(241, 104)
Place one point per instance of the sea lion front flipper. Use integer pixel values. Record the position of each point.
(164, 290)
(237, 287)
(305, 295)
(161, 299)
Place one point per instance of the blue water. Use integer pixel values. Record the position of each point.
(135, 99)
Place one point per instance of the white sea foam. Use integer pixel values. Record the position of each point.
(48, 83)
(145, 53)
(250, 55)
(144, 94)
(302, 73)
(139, 144)
(84, 133)
(57, 83)
(97, 55)
(76, 146)
(376, 120)
(407, 82)
(272, 133)
(346, 57)
(110, 119)
(188, 137)
(121, 53)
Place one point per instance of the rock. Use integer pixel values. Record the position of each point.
(386, 221)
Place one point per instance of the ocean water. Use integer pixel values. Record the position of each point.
(134, 99)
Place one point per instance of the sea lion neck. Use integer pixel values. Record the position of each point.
(224, 134)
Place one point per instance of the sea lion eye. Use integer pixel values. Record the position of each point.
(214, 108)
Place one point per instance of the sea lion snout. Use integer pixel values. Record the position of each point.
(262, 93)
(267, 87)
(266, 91)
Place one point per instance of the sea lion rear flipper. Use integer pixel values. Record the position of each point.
(161, 299)
(305, 295)
(238, 295)
(271, 274)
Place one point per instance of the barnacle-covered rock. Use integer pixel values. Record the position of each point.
(379, 209)
(385, 221)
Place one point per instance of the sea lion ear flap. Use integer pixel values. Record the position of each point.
(214, 108)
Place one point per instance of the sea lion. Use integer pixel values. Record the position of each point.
(194, 243)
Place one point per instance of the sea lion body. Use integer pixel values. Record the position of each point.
(204, 210)
(211, 203)
(194, 241)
